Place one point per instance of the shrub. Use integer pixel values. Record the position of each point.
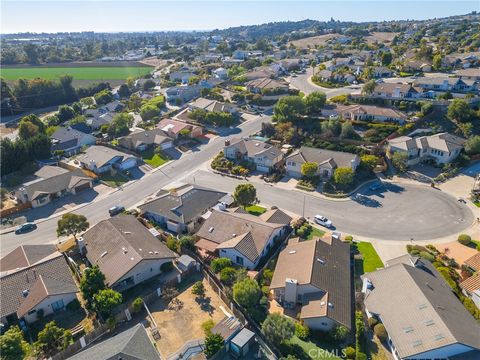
(228, 275)
(427, 256)
(380, 332)
(339, 333)
(372, 322)
(266, 290)
(166, 267)
(267, 276)
(137, 304)
(464, 239)
(73, 305)
(349, 238)
(361, 356)
(302, 331)
(111, 322)
(198, 289)
(207, 326)
(172, 243)
(219, 264)
(349, 352)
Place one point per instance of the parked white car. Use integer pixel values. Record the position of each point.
(322, 220)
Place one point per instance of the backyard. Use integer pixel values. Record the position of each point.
(180, 320)
(154, 159)
(371, 260)
(309, 349)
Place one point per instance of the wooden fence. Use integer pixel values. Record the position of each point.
(15, 209)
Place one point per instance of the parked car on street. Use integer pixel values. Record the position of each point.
(322, 220)
(116, 210)
(25, 228)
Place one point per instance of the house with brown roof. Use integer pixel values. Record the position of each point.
(423, 317)
(125, 251)
(371, 113)
(396, 91)
(175, 128)
(327, 160)
(53, 182)
(213, 106)
(239, 236)
(441, 148)
(34, 279)
(265, 156)
(142, 140)
(267, 86)
(316, 275)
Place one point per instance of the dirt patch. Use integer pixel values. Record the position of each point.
(314, 40)
(381, 37)
(183, 321)
(457, 251)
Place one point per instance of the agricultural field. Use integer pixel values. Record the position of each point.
(82, 74)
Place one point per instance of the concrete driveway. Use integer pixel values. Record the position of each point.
(399, 212)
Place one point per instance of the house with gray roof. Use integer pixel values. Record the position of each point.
(53, 182)
(441, 148)
(213, 106)
(34, 279)
(423, 317)
(180, 210)
(241, 237)
(316, 275)
(265, 156)
(101, 159)
(444, 83)
(70, 141)
(131, 344)
(142, 140)
(125, 251)
(327, 160)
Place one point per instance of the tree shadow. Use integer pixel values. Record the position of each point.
(205, 304)
(394, 188)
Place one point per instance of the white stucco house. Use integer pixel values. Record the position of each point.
(102, 159)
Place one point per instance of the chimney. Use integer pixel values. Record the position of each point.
(227, 142)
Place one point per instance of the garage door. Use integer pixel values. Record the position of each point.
(166, 145)
(82, 187)
(262, 168)
(172, 226)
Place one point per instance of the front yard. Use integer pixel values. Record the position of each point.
(180, 320)
(255, 210)
(371, 260)
(113, 180)
(154, 159)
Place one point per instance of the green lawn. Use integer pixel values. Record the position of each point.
(78, 73)
(371, 260)
(304, 350)
(477, 203)
(255, 210)
(315, 233)
(152, 159)
(113, 181)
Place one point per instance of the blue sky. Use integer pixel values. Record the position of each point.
(122, 15)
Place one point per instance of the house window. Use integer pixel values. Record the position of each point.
(32, 312)
(239, 260)
(58, 305)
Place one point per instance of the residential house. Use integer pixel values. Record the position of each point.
(469, 74)
(182, 93)
(418, 65)
(266, 157)
(317, 275)
(422, 316)
(125, 251)
(328, 161)
(371, 113)
(213, 106)
(442, 148)
(113, 106)
(444, 84)
(263, 72)
(180, 210)
(142, 140)
(183, 76)
(267, 86)
(175, 128)
(53, 182)
(240, 54)
(381, 72)
(70, 141)
(220, 73)
(471, 288)
(131, 344)
(241, 237)
(101, 159)
(325, 75)
(396, 91)
(337, 63)
(36, 281)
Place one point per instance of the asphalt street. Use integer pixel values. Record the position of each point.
(399, 212)
(134, 192)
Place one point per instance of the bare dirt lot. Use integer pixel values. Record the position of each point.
(381, 37)
(314, 40)
(182, 322)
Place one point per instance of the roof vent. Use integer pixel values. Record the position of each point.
(330, 305)
(25, 293)
(429, 322)
(321, 261)
(322, 303)
(156, 252)
(103, 254)
(234, 235)
(132, 258)
(124, 250)
(127, 232)
(150, 252)
(211, 229)
(139, 249)
(292, 252)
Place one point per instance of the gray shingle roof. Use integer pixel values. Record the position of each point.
(148, 137)
(66, 137)
(54, 271)
(124, 242)
(101, 155)
(26, 255)
(132, 344)
(322, 156)
(183, 205)
(419, 309)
